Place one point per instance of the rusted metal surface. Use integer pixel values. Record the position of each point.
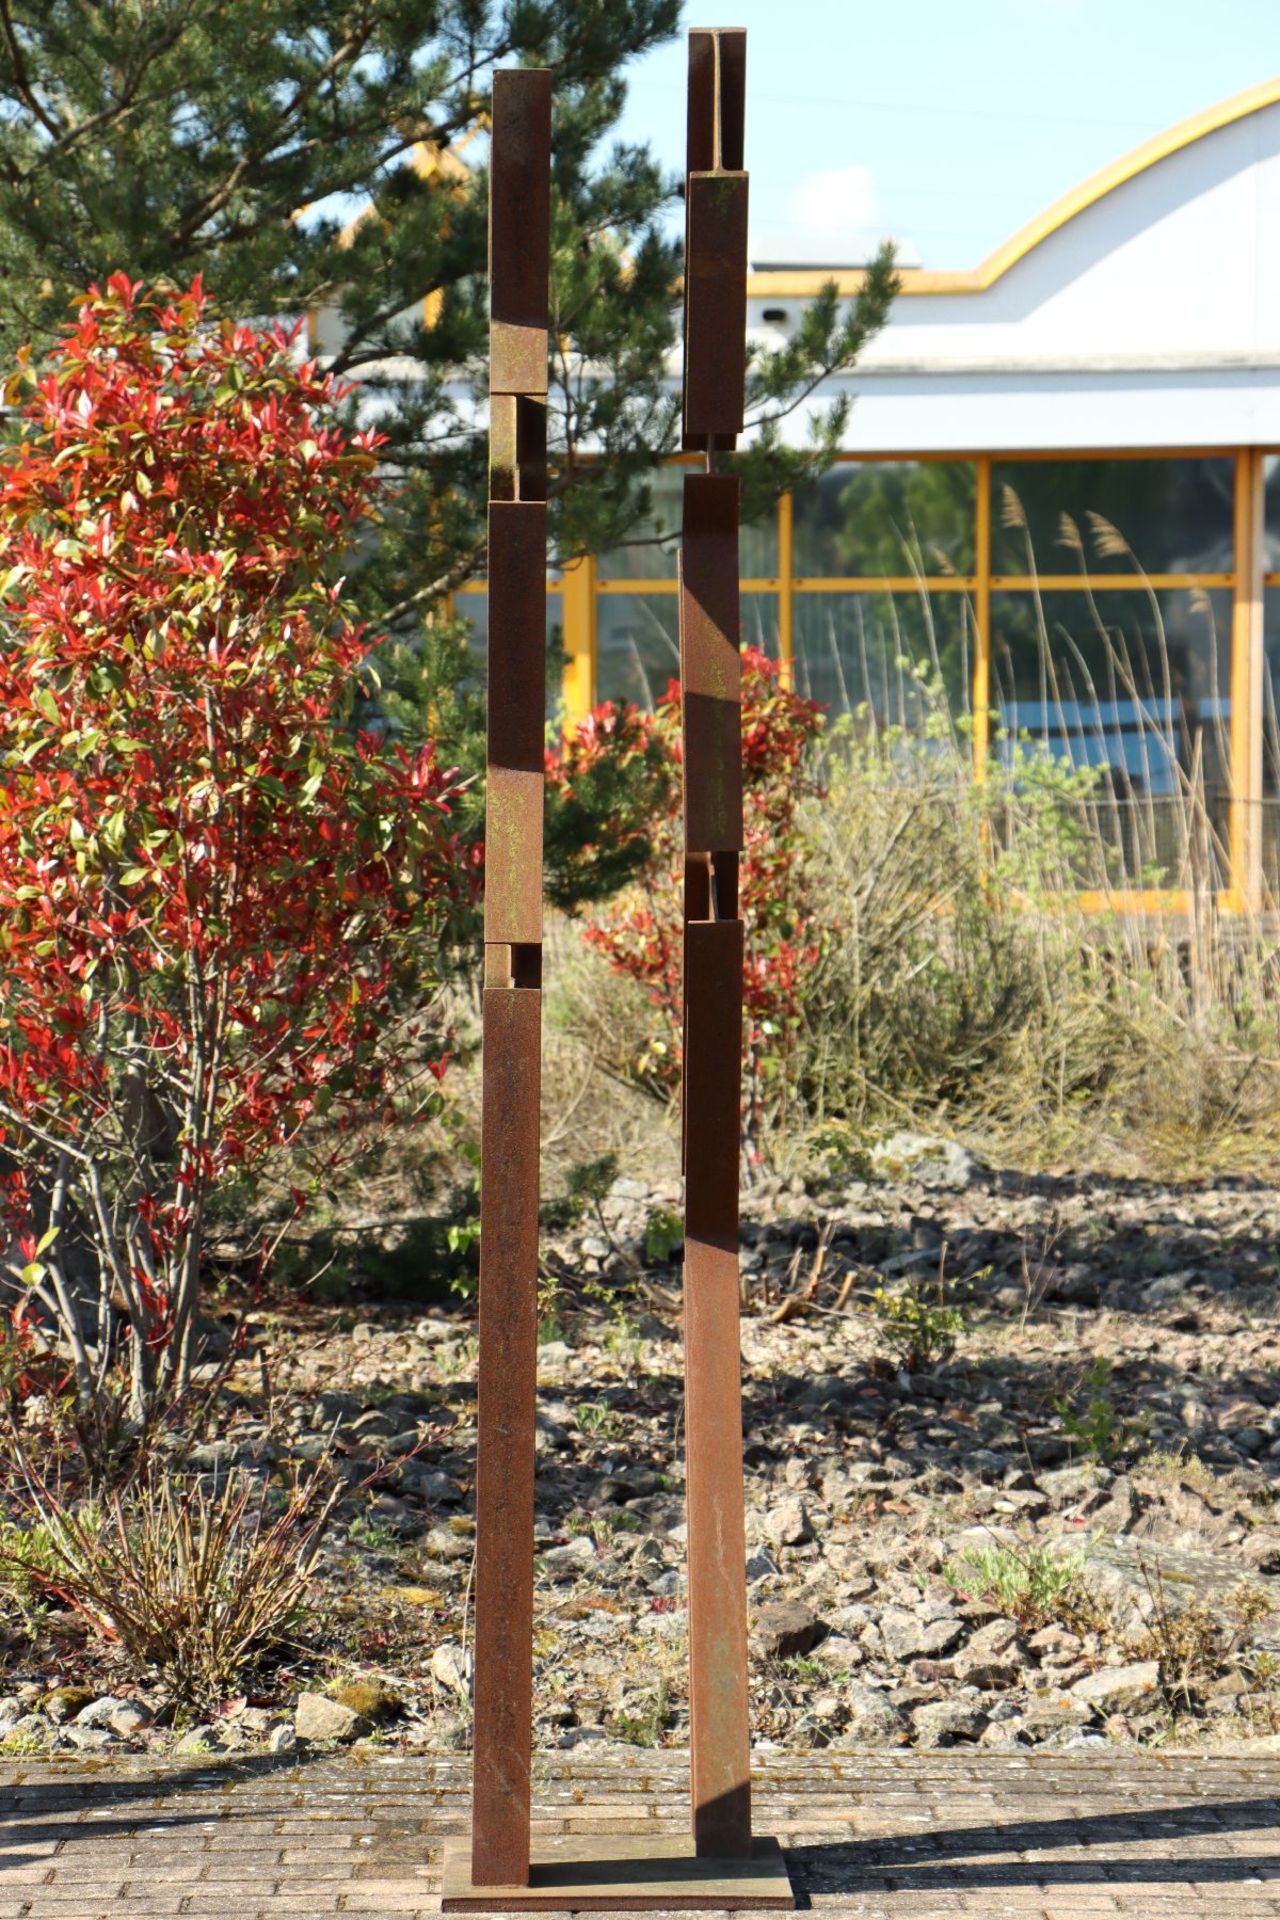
(648, 1872)
(711, 663)
(715, 239)
(505, 1455)
(519, 230)
(713, 1077)
(498, 1874)
(717, 98)
(710, 673)
(513, 856)
(715, 349)
(518, 268)
(517, 634)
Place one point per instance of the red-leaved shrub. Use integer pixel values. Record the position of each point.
(210, 882)
(639, 932)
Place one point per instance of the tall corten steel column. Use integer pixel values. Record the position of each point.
(714, 374)
(519, 243)
(721, 1867)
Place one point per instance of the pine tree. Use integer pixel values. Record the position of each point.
(306, 153)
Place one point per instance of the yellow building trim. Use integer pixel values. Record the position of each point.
(642, 583)
(1100, 582)
(578, 610)
(883, 583)
(786, 589)
(982, 622)
(1137, 900)
(792, 284)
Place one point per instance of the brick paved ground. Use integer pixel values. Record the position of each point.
(880, 1837)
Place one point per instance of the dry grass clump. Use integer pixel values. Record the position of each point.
(192, 1578)
(961, 972)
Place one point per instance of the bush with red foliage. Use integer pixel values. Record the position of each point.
(211, 883)
(640, 931)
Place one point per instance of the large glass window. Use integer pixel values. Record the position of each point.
(1111, 584)
(885, 654)
(1271, 735)
(652, 550)
(638, 646)
(886, 519)
(1134, 683)
(1154, 516)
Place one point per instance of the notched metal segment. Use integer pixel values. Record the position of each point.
(710, 665)
(502, 446)
(505, 1451)
(715, 304)
(526, 964)
(517, 447)
(513, 856)
(517, 634)
(712, 1073)
(497, 964)
(716, 98)
(519, 229)
(724, 886)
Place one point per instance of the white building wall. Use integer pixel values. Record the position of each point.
(1150, 318)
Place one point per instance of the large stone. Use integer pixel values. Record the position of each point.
(873, 1720)
(370, 1699)
(1134, 1576)
(990, 1671)
(64, 1703)
(1048, 1718)
(841, 1654)
(940, 1723)
(996, 1637)
(924, 1158)
(572, 1556)
(909, 1637)
(785, 1628)
(1119, 1689)
(788, 1524)
(449, 1667)
(319, 1718)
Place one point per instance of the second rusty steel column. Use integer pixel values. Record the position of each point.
(519, 246)
(715, 368)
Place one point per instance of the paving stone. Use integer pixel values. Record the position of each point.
(874, 1835)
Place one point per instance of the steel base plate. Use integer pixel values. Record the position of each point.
(622, 1873)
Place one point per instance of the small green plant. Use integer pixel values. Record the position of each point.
(373, 1534)
(21, 1742)
(644, 1724)
(598, 1419)
(1031, 1585)
(456, 1357)
(1092, 1424)
(803, 1667)
(663, 1233)
(586, 1186)
(623, 1343)
(915, 1323)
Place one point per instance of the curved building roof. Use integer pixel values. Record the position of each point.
(1141, 309)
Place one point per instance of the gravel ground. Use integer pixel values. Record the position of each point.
(1012, 1448)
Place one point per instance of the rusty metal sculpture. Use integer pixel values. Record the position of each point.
(723, 1866)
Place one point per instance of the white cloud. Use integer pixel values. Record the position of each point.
(834, 221)
(831, 205)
